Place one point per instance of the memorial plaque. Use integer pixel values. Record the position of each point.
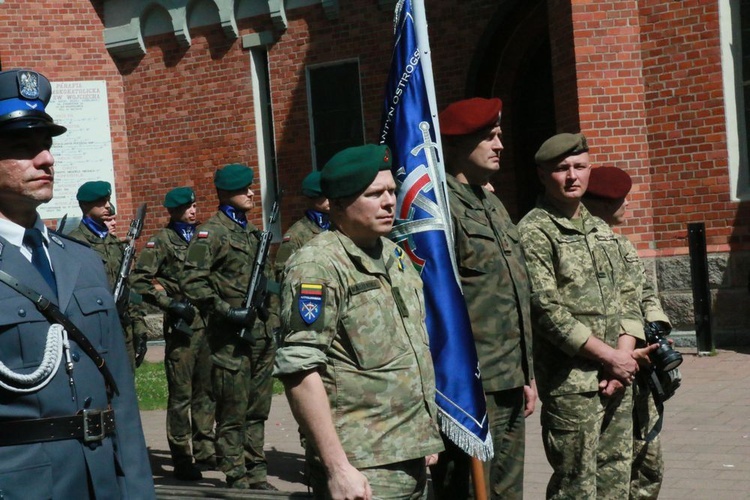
(84, 152)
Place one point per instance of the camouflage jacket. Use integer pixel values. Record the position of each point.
(295, 237)
(215, 277)
(579, 288)
(495, 284)
(161, 261)
(109, 248)
(360, 322)
(644, 287)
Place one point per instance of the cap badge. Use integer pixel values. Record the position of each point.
(28, 84)
(57, 240)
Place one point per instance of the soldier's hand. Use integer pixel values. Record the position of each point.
(349, 483)
(241, 316)
(610, 387)
(141, 346)
(621, 365)
(182, 310)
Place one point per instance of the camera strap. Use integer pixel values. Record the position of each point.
(657, 391)
(55, 315)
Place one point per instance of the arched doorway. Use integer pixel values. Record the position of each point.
(513, 62)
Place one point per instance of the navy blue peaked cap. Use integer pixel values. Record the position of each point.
(23, 97)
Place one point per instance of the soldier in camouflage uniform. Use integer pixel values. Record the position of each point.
(215, 279)
(355, 359)
(606, 198)
(494, 281)
(190, 410)
(97, 212)
(314, 222)
(586, 321)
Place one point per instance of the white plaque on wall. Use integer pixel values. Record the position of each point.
(84, 152)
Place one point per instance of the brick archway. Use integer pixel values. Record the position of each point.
(513, 62)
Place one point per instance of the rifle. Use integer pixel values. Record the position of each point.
(61, 224)
(129, 252)
(258, 287)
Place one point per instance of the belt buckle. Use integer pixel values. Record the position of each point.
(87, 437)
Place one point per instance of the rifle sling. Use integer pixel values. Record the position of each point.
(55, 315)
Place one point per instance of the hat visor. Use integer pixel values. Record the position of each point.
(30, 119)
(30, 124)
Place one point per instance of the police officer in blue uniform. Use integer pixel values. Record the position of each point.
(69, 421)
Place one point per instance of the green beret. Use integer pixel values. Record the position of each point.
(311, 185)
(561, 145)
(178, 197)
(353, 169)
(94, 190)
(233, 176)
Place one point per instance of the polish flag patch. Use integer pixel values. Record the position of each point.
(202, 234)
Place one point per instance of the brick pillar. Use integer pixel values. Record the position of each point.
(605, 87)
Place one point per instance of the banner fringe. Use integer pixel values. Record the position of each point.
(465, 439)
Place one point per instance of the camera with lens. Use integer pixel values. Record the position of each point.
(664, 358)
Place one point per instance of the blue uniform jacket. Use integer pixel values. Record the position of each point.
(118, 466)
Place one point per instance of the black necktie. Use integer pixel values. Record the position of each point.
(33, 239)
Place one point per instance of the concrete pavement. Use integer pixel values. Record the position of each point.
(706, 437)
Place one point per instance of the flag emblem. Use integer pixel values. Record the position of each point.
(310, 302)
(423, 230)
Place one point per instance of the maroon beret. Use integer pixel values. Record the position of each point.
(470, 115)
(610, 183)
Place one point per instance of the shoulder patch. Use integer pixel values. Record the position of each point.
(151, 244)
(286, 238)
(202, 234)
(310, 302)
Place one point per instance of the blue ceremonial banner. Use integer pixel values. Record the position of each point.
(422, 228)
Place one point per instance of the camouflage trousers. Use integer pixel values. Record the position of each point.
(190, 408)
(398, 481)
(588, 442)
(243, 401)
(647, 471)
(503, 475)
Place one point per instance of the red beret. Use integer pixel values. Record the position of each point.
(610, 183)
(470, 115)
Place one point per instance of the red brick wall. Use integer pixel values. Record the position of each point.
(686, 125)
(362, 32)
(611, 107)
(66, 44)
(190, 112)
(641, 79)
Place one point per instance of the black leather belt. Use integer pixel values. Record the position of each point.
(87, 425)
